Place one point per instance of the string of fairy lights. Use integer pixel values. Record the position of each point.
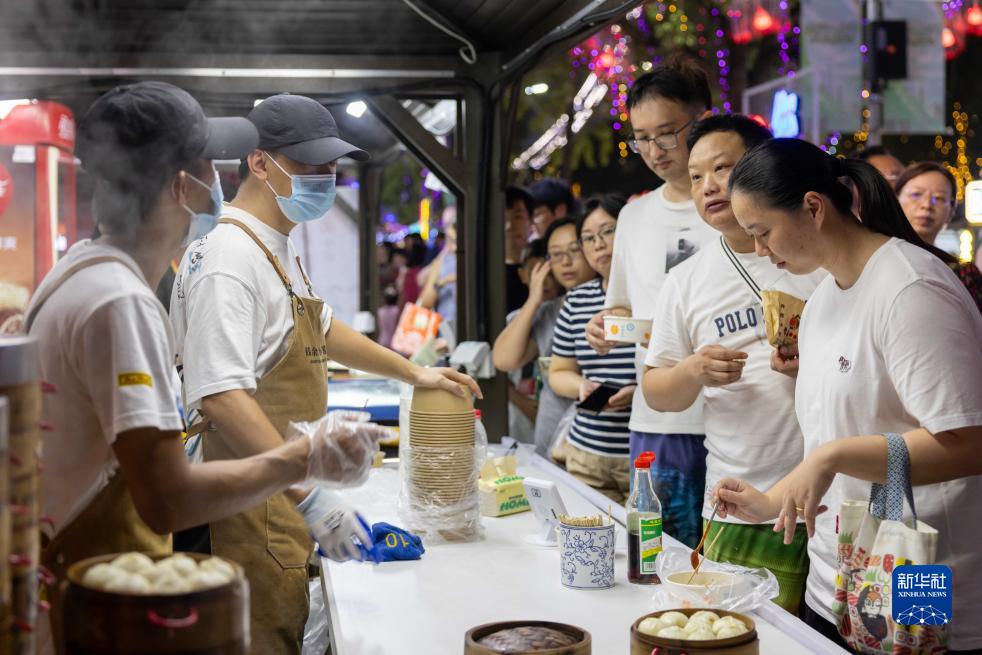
(711, 32)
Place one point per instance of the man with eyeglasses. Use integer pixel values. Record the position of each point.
(654, 234)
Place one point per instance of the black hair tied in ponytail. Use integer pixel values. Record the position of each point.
(780, 172)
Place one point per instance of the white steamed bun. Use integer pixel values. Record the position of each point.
(181, 563)
(206, 580)
(704, 614)
(99, 575)
(729, 622)
(171, 582)
(127, 583)
(650, 626)
(702, 634)
(672, 632)
(133, 562)
(732, 631)
(674, 618)
(218, 565)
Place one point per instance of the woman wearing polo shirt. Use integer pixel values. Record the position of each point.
(599, 445)
(890, 342)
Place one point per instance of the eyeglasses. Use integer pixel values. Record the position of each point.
(668, 141)
(935, 199)
(574, 252)
(606, 234)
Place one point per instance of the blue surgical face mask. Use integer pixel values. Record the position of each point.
(311, 197)
(204, 222)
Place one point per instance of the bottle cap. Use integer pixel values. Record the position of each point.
(477, 414)
(644, 460)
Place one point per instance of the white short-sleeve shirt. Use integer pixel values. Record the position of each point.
(653, 236)
(107, 347)
(751, 429)
(899, 350)
(230, 311)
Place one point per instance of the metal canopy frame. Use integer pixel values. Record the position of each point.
(475, 169)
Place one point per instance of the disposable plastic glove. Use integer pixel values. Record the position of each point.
(341, 451)
(339, 531)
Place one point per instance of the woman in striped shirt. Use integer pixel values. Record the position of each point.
(598, 452)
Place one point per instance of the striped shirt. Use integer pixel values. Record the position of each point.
(605, 433)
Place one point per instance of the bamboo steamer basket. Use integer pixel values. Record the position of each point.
(20, 383)
(583, 646)
(745, 644)
(208, 622)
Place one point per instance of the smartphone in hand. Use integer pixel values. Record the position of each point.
(597, 400)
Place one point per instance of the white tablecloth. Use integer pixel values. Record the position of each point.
(426, 606)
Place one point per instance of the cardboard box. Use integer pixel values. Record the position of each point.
(500, 488)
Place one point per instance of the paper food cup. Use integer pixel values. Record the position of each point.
(782, 317)
(627, 330)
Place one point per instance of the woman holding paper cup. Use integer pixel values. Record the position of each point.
(599, 444)
(889, 343)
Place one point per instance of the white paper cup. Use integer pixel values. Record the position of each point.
(586, 556)
(627, 330)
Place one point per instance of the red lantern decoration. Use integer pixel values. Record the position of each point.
(953, 37)
(764, 24)
(973, 18)
(741, 22)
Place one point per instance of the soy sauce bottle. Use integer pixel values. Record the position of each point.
(644, 524)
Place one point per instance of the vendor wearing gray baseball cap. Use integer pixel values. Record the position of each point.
(253, 340)
(116, 477)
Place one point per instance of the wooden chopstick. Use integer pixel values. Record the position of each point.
(708, 548)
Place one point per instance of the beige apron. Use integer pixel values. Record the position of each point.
(271, 541)
(110, 523)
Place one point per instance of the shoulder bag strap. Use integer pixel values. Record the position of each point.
(739, 268)
(886, 501)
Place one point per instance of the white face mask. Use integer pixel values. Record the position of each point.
(204, 222)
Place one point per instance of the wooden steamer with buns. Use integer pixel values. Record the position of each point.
(743, 644)
(211, 621)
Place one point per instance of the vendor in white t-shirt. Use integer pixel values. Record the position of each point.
(890, 342)
(115, 476)
(709, 338)
(253, 343)
(655, 234)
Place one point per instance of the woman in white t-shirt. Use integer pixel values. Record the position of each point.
(890, 342)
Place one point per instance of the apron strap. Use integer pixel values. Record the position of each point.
(42, 298)
(306, 280)
(273, 259)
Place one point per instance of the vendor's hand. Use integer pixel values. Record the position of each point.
(339, 533)
(785, 360)
(341, 452)
(595, 335)
(334, 526)
(739, 500)
(715, 366)
(803, 489)
(537, 282)
(622, 399)
(586, 388)
(447, 379)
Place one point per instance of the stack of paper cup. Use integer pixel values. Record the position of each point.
(442, 464)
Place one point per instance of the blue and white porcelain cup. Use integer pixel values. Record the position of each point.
(586, 556)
